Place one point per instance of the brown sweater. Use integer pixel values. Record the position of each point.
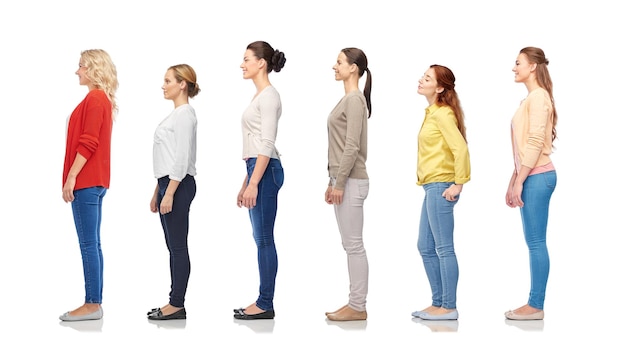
(347, 139)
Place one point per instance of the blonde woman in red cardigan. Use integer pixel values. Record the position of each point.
(86, 171)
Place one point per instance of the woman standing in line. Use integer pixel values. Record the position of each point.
(264, 171)
(174, 160)
(349, 183)
(534, 177)
(87, 170)
(443, 168)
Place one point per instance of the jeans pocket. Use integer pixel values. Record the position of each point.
(279, 176)
(364, 187)
(550, 178)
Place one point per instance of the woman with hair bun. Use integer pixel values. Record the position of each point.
(264, 172)
(174, 164)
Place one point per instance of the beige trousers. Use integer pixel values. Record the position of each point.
(349, 216)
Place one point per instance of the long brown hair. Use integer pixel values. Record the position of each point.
(536, 55)
(445, 78)
(358, 57)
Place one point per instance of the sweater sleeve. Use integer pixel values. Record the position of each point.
(270, 110)
(184, 127)
(458, 146)
(93, 116)
(538, 116)
(354, 126)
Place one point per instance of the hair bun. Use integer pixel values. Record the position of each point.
(278, 60)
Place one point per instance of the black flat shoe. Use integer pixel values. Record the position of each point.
(154, 310)
(158, 315)
(266, 315)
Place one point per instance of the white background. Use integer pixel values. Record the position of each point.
(40, 261)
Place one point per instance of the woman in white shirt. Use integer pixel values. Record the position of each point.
(264, 175)
(174, 160)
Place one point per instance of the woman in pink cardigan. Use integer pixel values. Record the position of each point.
(534, 176)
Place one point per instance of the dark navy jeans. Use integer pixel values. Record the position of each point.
(176, 228)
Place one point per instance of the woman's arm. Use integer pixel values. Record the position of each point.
(70, 182)
(252, 189)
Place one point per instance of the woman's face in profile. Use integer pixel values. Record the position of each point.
(81, 72)
(427, 85)
(523, 68)
(251, 65)
(171, 87)
(342, 67)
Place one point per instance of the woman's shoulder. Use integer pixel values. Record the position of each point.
(538, 93)
(96, 94)
(271, 91)
(96, 97)
(353, 96)
(185, 109)
(442, 110)
(536, 97)
(268, 94)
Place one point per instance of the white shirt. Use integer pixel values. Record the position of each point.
(174, 149)
(259, 124)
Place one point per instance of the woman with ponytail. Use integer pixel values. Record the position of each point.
(348, 184)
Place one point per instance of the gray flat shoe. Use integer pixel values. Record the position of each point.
(418, 313)
(453, 315)
(96, 315)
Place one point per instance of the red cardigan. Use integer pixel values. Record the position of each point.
(89, 133)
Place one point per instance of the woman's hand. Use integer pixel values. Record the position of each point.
(248, 198)
(167, 203)
(335, 197)
(68, 189)
(514, 195)
(452, 192)
(153, 204)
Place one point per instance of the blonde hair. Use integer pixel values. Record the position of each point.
(184, 72)
(101, 72)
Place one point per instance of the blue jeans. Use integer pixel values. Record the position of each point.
(87, 211)
(262, 217)
(176, 229)
(536, 196)
(435, 244)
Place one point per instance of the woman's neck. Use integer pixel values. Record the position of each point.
(531, 85)
(181, 100)
(350, 84)
(261, 82)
